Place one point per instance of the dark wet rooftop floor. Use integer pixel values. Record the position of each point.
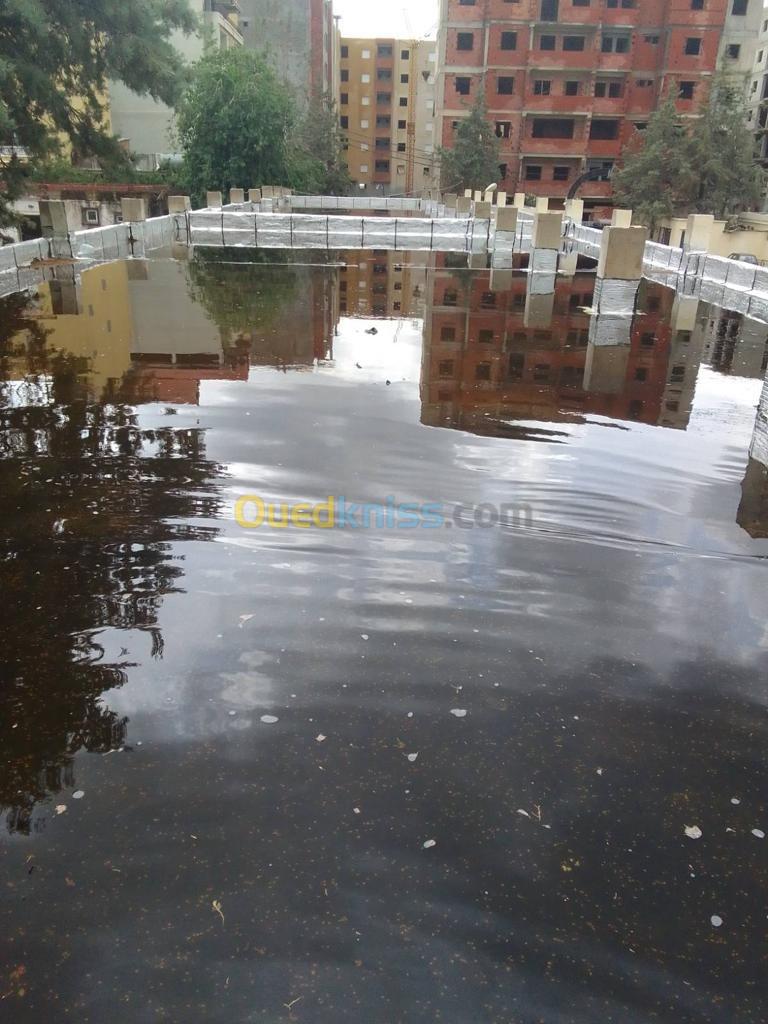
(507, 766)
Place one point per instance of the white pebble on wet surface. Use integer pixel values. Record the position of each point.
(269, 719)
(429, 844)
(716, 920)
(78, 794)
(735, 801)
(320, 738)
(758, 833)
(412, 757)
(458, 713)
(693, 832)
(364, 636)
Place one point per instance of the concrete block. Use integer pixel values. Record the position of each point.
(478, 261)
(53, 218)
(478, 196)
(179, 204)
(540, 306)
(213, 200)
(254, 195)
(506, 218)
(488, 195)
(450, 199)
(621, 219)
(519, 200)
(464, 206)
(698, 232)
(501, 198)
(568, 264)
(133, 208)
(574, 208)
(542, 204)
(605, 370)
(501, 280)
(547, 230)
(468, 194)
(237, 196)
(482, 211)
(621, 253)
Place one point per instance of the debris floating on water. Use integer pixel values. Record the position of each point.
(758, 833)
(61, 808)
(320, 738)
(412, 757)
(458, 712)
(716, 920)
(78, 794)
(693, 832)
(269, 719)
(429, 844)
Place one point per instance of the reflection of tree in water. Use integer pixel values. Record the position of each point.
(91, 505)
(242, 291)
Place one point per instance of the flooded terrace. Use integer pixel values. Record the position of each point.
(478, 734)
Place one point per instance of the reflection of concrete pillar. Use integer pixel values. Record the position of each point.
(464, 207)
(605, 369)
(547, 231)
(568, 264)
(519, 200)
(53, 218)
(237, 196)
(753, 510)
(483, 211)
(621, 219)
(254, 195)
(450, 199)
(478, 261)
(542, 204)
(133, 209)
(213, 200)
(574, 209)
(179, 204)
(501, 280)
(539, 300)
(698, 232)
(621, 253)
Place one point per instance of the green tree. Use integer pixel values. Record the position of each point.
(656, 179)
(56, 57)
(234, 123)
(473, 161)
(722, 156)
(320, 139)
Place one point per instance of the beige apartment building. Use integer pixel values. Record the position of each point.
(387, 108)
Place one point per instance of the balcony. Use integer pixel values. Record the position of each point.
(225, 8)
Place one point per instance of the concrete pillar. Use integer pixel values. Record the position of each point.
(698, 232)
(568, 264)
(519, 200)
(506, 218)
(254, 195)
(213, 199)
(464, 206)
(53, 218)
(483, 211)
(621, 219)
(501, 198)
(605, 370)
(468, 194)
(547, 231)
(542, 204)
(574, 209)
(179, 204)
(450, 199)
(621, 253)
(539, 301)
(478, 196)
(489, 195)
(133, 209)
(237, 196)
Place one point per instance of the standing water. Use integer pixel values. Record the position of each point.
(378, 648)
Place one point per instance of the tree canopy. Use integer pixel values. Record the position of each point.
(473, 162)
(56, 57)
(672, 171)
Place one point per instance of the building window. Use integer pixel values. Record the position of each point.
(483, 371)
(547, 43)
(571, 89)
(382, 166)
(344, 98)
(384, 74)
(404, 79)
(402, 125)
(651, 40)
(533, 173)
(405, 55)
(344, 52)
(344, 75)
(503, 129)
(517, 364)
(612, 89)
(553, 128)
(366, 54)
(463, 85)
(505, 85)
(740, 7)
(91, 217)
(616, 44)
(604, 130)
(383, 143)
(733, 51)
(383, 98)
(574, 44)
(447, 333)
(401, 147)
(344, 121)
(383, 120)
(687, 90)
(509, 40)
(561, 173)
(384, 50)
(465, 40)
(363, 168)
(365, 79)
(697, 5)
(542, 87)
(404, 99)
(693, 46)
(445, 368)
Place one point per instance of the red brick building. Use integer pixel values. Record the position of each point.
(567, 82)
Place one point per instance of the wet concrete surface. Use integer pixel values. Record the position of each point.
(168, 855)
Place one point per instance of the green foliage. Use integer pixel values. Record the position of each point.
(234, 122)
(473, 162)
(56, 57)
(321, 144)
(670, 172)
(656, 178)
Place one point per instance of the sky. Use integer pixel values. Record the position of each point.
(387, 18)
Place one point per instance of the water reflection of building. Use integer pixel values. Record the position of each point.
(753, 510)
(735, 344)
(383, 283)
(498, 349)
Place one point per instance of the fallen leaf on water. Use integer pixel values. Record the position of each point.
(216, 904)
